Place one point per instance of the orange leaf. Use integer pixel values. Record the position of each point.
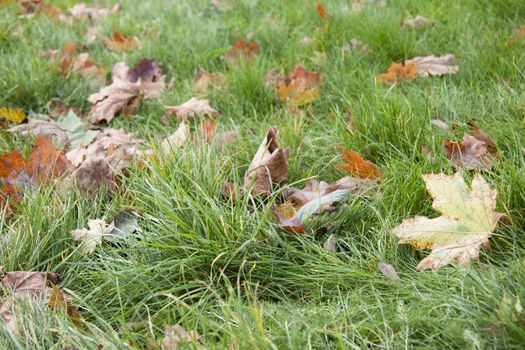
(321, 11)
(241, 51)
(398, 72)
(18, 175)
(357, 166)
(299, 88)
(120, 42)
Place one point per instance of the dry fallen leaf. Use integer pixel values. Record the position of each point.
(93, 14)
(321, 11)
(389, 271)
(112, 152)
(440, 124)
(517, 36)
(59, 302)
(287, 222)
(269, 166)
(358, 45)
(434, 66)
(192, 107)
(398, 72)
(357, 166)
(483, 136)
(330, 244)
(127, 89)
(29, 287)
(417, 22)
(241, 50)
(299, 88)
(314, 190)
(120, 42)
(92, 236)
(470, 153)
(176, 335)
(177, 139)
(32, 7)
(19, 175)
(468, 219)
(204, 81)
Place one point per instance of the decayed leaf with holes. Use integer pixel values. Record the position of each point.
(467, 221)
(100, 164)
(470, 153)
(205, 81)
(15, 115)
(192, 107)
(417, 22)
(18, 175)
(434, 66)
(398, 72)
(357, 166)
(241, 50)
(269, 166)
(92, 236)
(299, 88)
(93, 14)
(120, 42)
(27, 287)
(128, 87)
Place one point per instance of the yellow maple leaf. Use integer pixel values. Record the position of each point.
(468, 219)
(15, 115)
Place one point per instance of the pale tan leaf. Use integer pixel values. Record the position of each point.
(177, 139)
(434, 66)
(417, 22)
(192, 107)
(468, 219)
(92, 236)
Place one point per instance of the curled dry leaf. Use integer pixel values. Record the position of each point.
(28, 287)
(434, 66)
(192, 107)
(177, 139)
(127, 89)
(389, 271)
(19, 175)
(286, 221)
(314, 190)
(299, 88)
(204, 81)
(241, 50)
(483, 136)
(120, 42)
(92, 236)
(468, 219)
(357, 166)
(470, 153)
(269, 166)
(418, 22)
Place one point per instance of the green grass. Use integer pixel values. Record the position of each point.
(227, 271)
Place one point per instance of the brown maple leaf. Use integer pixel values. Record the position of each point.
(128, 87)
(203, 81)
(357, 166)
(18, 175)
(299, 88)
(241, 50)
(32, 7)
(470, 153)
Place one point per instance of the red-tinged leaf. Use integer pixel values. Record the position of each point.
(292, 224)
(357, 166)
(321, 11)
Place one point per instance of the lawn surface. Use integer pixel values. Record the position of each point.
(227, 270)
